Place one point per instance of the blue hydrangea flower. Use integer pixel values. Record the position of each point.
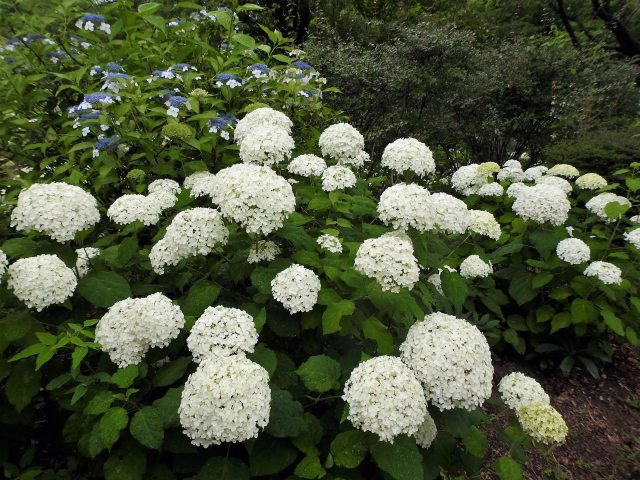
(115, 68)
(107, 143)
(309, 93)
(99, 97)
(259, 70)
(90, 20)
(226, 79)
(183, 67)
(174, 102)
(92, 115)
(176, 22)
(96, 70)
(301, 65)
(219, 124)
(56, 56)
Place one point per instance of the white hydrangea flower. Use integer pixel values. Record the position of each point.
(83, 260)
(222, 331)
(296, 288)
(484, 223)
(253, 196)
(510, 174)
(132, 207)
(452, 360)
(559, 182)
(591, 181)
(196, 231)
(41, 281)
(134, 325)
(435, 279)
(468, 179)
(426, 433)
(543, 423)
(267, 145)
(307, 165)
(227, 399)
(564, 170)
(357, 162)
(515, 188)
(263, 251)
(598, 203)
(492, 189)
(635, 219)
(389, 260)
(57, 210)
(542, 203)
(534, 173)
(403, 205)
(606, 272)
(409, 154)
(474, 267)
(337, 177)
(385, 398)
(162, 199)
(4, 264)
(447, 213)
(573, 251)
(258, 118)
(164, 185)
(200, 184)
(512, 163)
(341, 141)
(330, 243)
(633, 237)
(517, 389)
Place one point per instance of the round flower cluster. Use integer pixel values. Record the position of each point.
(447, 213)
(426, 433)
(257, 118)
(227, 399)
(633, 237)
(635, 219)
(134, 325)
(484, 223)
(357, 162)
(435, 279)
(511, 172)
(307, 166)
(403, 205)
(263, 250)
(591, 181)
(41, 281)
(598, 203)
(341, 141)
(267, 145)
(409, 154)
(337, 177)
(543, 423)
(389, 260)
(515, 188)
(133, 207)
(452, 360)
(492, 189)
(83, 260)
(253, 196)
(200, 184)
(164, 185)
(385, 398)
(606, 272)
(558, 182)
(564, 170)
(192, 232)
(177, 131)
(296, 288)
(474, 267)
(516, 389)
(4, 263)
(330, 243)
(573, 251)
(56, 209)
(468, 179)
(222, 331)
(533, 173)
(542, 203)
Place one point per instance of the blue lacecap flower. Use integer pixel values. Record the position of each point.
(222, 120)
(180, 66)
(302, 65)
(176, 101)
(261, 67)
(225, 77)
(121, 76)
(107, 142)
(93, 115)
(93, 18)
(97, 97)
(114, 67)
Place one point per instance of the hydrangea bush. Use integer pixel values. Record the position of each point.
(204, 275)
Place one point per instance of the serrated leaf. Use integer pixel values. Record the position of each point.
(508, 469)
(286, 416)
(349, 448)
(454, 287)
(172, 371)
(400, 459)
(222, 468)
(103, 289)
(310, 467)
(201, 295)
(374, 329)
(124, 377)
(476, 442)
(111, 424)
(147, 426)
(320, 373)
(333, 315)
(613, 322)
(269, 456)
(22, 385)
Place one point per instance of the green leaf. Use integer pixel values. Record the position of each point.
(613, 322)
(334, 313)
(147, 426)
(15, 325)
(100, 403)
(20, 247)
(454, 287)
(168, 407)
(22, 385)
(265, 357)
(111, 424)
(124, 377)
(128, 462)
(269, 456)
(508, 469)
(221, 468)
(476, 442)
(632, 183)
(147, 8)
(400, 459)
(320, 373)
(30, 351)
(583, 311)
(615, 210)
(349, 448)
(201, 295)
(521, 288)
(560, 320)
(157, 21)
(172, 371)
(541, 279)
(374, 329)
(103, 289)
(286, 416)
(77, 356)
(310, 467)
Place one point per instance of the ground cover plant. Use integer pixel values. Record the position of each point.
(205, 275)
